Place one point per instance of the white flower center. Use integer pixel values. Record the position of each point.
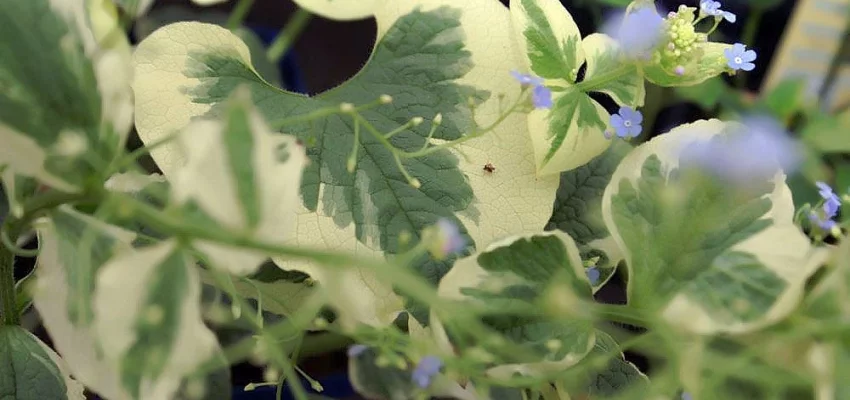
(627, 123)
(738, 60)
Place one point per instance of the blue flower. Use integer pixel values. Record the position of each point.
(831, 202)
(637, 33)
(593, 275)
(687, 396)
(627, 122)
(541, 96)
(712, 8)
(448, 239)
(527, 79)
(757, 151)
(825, 223)
(738, 57)
(426, 369)
(356, 350)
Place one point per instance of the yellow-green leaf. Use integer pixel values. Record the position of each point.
(148, 319)
(710, 257)
(342, 10)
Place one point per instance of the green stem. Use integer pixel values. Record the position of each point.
(604, 78)
(237, 16)
(621, 313)
(322, 343)
(288, 34)
(750, 29)
(9, 310)
(478, 132)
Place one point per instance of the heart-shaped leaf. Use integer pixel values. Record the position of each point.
(430, 58)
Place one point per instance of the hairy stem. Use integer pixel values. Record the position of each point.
(9, 310)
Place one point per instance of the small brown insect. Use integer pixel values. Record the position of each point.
(489, 168)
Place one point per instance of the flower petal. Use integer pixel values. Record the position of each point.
(748, 56)
(541, 97)
(637, 117)
(617, 122)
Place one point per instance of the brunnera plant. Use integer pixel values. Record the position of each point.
(451, 209)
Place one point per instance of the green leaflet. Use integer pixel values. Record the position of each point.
(618, 376)
(148, 318)
(519, 273)
(571, 133)
(578, 202)
(50, 108)
(29, 369)
(578, 209)
(608, 73)
(551, 56)
(709, 256)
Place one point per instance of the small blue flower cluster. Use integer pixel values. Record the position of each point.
(831, 204)
(425, 370)
(449, 239)
(712, 8)
(640, 33)
(752, 152)
(541, 96)
(593, 275)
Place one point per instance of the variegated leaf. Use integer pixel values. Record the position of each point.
(526, 271)
(570, 134)
(148, 319)
(64, 109)
(74, 247)
(431, 56)
(30, 370)
(712, 257)
(242, 177)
